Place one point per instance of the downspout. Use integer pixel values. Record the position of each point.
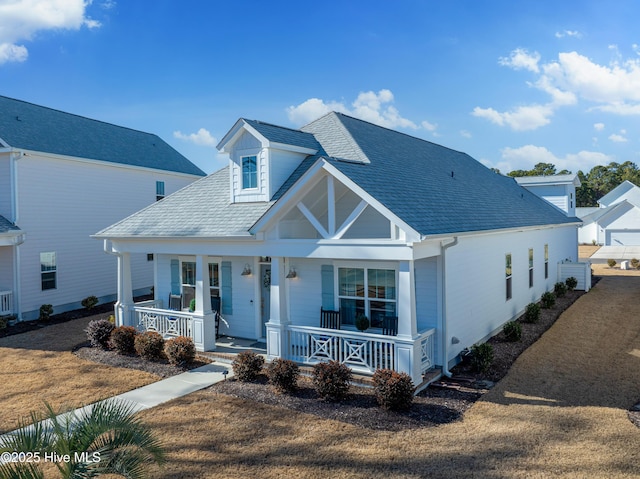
(445, 342)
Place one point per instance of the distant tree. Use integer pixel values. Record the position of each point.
(540, 169)
(585, 195)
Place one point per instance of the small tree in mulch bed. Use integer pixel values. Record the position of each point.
(548, 299)
(481, 356)
(512, 331)
(332, 380)
(532, 313)
(247, 366)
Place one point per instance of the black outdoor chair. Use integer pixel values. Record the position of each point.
(390, 326)
(329, 319)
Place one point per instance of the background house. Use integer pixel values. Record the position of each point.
(63, 177)
(342, 215)
(616, 222)
(559, 190)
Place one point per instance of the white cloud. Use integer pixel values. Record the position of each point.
(202, 137)
(525, 157)
(569, 33)
(465, 134)
(618, 138)
(522, 118)
(520, 59)
(598, 126)
(369, 106)
(20, 20)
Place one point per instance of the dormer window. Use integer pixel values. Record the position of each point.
(249, 172)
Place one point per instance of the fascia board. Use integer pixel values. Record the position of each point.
(234, 133)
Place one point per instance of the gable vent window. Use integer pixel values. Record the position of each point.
(249, 172)
(159, 190)
(508, 275)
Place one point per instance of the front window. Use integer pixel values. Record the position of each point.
(189, 281)
(214, 280)
(48, 271)
(509, 278)
(531, 267)
(159, 190)
(367, 291)
(249, 172)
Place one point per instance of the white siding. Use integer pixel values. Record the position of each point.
(305, 292)
(476, 290)
(281, 165)
(5, 186)
(63, 202)
(6, 268)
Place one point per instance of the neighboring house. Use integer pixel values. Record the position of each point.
(559, 190)
(617, 220)
(435, 249)
(62, 178)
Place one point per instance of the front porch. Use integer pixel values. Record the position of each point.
(6, 303)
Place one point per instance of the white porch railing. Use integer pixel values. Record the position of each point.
(362, 352)
(163, 321)
(6, 303)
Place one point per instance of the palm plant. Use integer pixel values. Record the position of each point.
(105, 438)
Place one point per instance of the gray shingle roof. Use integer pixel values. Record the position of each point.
(201, 209)
(32, 127)
(287, 136)
(7, 226)
(434, 189)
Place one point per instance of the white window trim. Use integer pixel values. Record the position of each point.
(54, 271)
(257, 157)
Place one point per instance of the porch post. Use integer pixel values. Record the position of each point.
(124, 305)
(203, 329)
(277, 344)
(407, 348)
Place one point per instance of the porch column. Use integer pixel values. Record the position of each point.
(124, 305)
(277, 344)
(407, 348)
(203, 323)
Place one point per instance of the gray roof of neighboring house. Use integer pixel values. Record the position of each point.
(7, 226)
(200, 209)
(548, 180)
(631, 191)
(434, 189)
(38, 128)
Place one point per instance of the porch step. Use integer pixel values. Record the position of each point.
(429, 377)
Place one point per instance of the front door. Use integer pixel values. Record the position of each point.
(265, 295)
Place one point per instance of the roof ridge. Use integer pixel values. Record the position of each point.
(277, 126)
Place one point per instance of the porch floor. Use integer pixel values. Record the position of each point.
(227, 348)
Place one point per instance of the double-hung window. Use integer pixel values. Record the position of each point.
(367, 291)
(531, 267)
(48, 271)
(546, 261)
(159, 190)
(509, 278)
(249, 172)
(189, 281)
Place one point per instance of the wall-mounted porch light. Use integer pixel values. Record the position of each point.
(292, 273)
(247, 270)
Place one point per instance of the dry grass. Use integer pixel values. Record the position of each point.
(38, 366)
(586, 250)
(560, 412)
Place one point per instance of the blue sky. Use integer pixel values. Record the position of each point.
(510, 83)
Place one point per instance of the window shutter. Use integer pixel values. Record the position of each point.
(327, 287)
(175, 277)
(225, 287)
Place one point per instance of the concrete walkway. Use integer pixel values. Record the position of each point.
(618, 253)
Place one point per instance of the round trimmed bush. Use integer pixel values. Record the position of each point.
(560, 289)
(331, 380)
(548, 300)
(89, 302)
(394, 391)
(481, 356)
(149, 345)
(99, 332)
(571, 283)
(123, 339)
(46, 310)
(180, 351)
(611, 262)
(283, 375)
(532, 313)
(512, 331)
(247, 366)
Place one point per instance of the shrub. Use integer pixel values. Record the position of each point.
(560, 289)
(283, 375)
(149, 345)
(394, 391)
(611, 262)
(112, 319)
(247, 366)
(89, 302)
(481, 356)
(46, 310)
(192, 305)
(123, 339)
(548, 300)
(532, 313)
(512, 331)
(331, 380)
(571, 283)
(635, 263)
(99, 332)
(180, 351)
(4, 320)
(362, 323)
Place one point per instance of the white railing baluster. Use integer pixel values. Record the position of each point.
(167, 323)
(6, 303)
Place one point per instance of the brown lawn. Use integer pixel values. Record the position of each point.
(560, 412)
(38, 366)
